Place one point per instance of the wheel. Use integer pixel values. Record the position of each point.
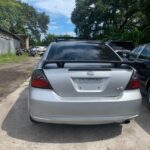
(148, 95)
(126, 122)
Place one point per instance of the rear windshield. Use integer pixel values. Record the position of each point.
(81, 52)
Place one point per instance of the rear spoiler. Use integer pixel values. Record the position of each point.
(61, 63)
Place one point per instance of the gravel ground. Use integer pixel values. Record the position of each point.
(13, 74)
(18, 133)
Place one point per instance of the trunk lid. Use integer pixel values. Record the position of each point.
(91, 81)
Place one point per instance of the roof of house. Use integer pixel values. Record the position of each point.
(9, 33)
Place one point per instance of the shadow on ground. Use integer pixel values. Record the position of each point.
(18, 125)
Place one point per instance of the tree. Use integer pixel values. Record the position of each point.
(48, 38)
(111, 19)
(145, 7)
(20, 18)
(51, 37)
(8, 11)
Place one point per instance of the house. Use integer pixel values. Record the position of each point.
(9, 42)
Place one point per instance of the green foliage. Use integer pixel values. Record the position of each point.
(10, 58)
(51, 37)
(8, 11)
(113, 19)
(20, 18)
(48, 38)
(135, 36)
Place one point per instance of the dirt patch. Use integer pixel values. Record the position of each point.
(12, 75)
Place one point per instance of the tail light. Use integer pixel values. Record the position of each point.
(39, 80)
(134, 82)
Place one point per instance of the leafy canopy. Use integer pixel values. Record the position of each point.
(20, 18)
(112, 19)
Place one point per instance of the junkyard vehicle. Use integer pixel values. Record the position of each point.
(141, 55)
(32, 52)
(83, 82)
(123, 54)
(120, 45)
(41, 50)
(122, 48)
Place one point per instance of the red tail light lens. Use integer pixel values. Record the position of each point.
(39, 80)
(134, 82)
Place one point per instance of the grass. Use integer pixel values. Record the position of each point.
(12, 58)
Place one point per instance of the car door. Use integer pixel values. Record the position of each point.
(133, 56)
(144, 67)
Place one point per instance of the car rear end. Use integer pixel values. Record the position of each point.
(81, 82)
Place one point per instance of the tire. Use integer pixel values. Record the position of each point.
(148, 95)
(126, 122)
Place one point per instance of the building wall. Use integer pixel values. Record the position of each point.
(8, 43)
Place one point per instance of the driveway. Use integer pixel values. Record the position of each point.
(18, 133)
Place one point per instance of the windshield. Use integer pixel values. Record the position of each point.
(81, 51)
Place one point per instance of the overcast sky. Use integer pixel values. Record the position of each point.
(59, 12)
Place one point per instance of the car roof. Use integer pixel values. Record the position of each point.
(143, 45)
(118, 41)
(71, 42)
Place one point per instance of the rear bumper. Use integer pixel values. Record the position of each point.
(46, 106)
(84, 120)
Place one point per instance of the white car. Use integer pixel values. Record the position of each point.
(83, 82)
(41, 50)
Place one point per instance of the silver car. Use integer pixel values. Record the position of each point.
(83, 82)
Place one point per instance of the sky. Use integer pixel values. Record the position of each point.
(59, 12)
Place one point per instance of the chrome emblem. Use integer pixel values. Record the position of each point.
(120, 88)
(90, 73)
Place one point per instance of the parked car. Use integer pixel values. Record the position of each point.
(123, 54)
(41, 50)
(120, 45)
(122, 48)
(141, 54)
(33, 52)
(83, 82)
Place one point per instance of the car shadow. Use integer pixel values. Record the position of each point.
(144, 119)
(18, 125)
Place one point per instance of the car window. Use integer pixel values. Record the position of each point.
(135, 52)
(145, 53)
(123, 54)
(81, 51)
(121, 45)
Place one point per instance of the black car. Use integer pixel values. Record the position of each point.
(120, 45)
(142, 55)
(122, 48)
